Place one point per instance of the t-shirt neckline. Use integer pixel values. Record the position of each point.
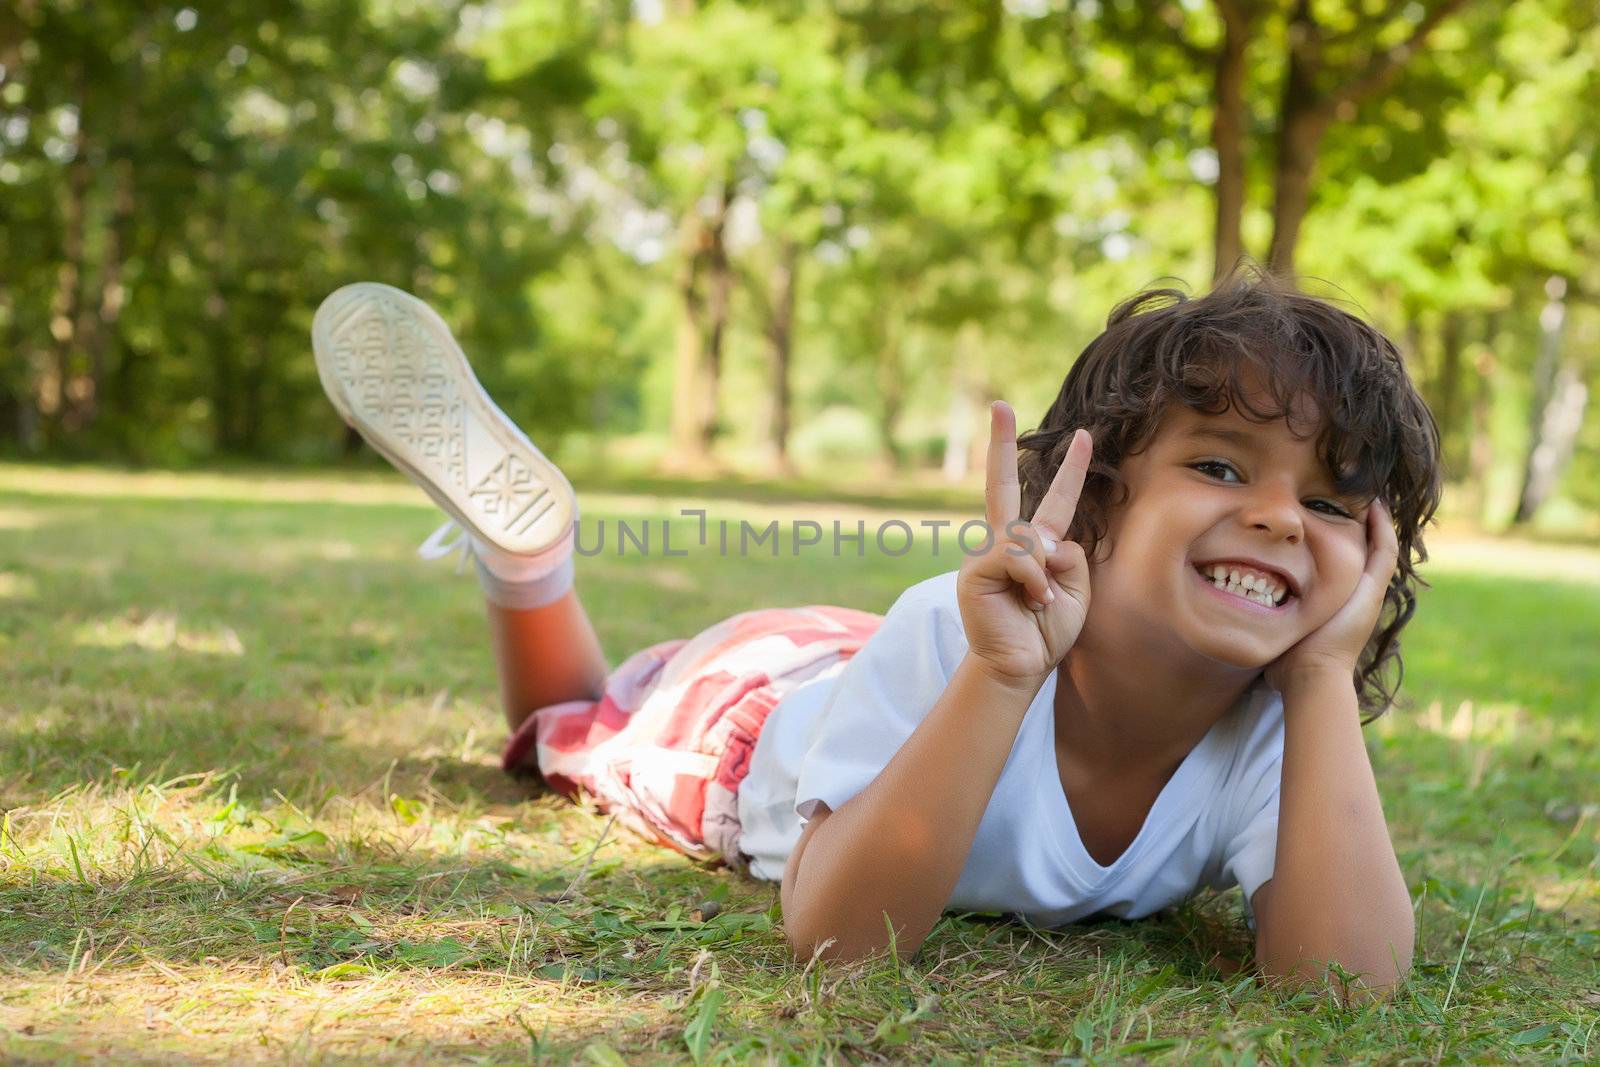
(1070, 847)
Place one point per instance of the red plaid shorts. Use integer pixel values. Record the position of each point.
(670, 739)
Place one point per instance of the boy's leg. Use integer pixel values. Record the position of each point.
(393, 371)
(546, 655)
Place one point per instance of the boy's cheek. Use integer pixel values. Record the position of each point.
(1334, 596)
(1341, 567)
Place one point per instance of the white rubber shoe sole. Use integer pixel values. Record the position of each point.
(394, 372)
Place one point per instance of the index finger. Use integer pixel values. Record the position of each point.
(1002, 494)
(1060, 501)
(1384, 546)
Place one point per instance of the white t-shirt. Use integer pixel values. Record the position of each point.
(1215, 823)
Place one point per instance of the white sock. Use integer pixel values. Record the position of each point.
(522, 582)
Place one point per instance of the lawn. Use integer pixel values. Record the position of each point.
(252, 811)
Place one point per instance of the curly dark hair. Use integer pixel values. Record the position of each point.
(1162, 347)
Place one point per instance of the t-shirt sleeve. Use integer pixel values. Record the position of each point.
(882, 694)
(1250, 845)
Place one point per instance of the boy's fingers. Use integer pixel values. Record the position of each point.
(1386, 546)
(1022, 538)
(1026, 572)
(1070, 557)
(1002, 494)
(1060, 502)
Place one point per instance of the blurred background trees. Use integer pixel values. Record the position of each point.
(784, 236)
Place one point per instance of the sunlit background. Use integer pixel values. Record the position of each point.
(786, 237)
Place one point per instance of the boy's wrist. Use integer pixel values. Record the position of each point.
(1025, 687)
(1318, 679)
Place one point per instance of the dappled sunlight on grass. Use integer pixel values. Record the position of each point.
(1511, 558)
(375, 487)
(380, 633)
(14, 586)
(671, 578)
(1577, 898)
(157, 632)
(403, 922)
(13, 518)
(290, 551)
(601, 491)
(1488, 722)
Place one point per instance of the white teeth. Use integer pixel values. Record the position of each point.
(1265, 591)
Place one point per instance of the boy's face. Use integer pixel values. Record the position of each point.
(1197, 499)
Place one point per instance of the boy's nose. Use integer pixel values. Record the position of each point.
(1276, 511)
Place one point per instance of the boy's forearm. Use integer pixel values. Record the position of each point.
(1336, 891)
(898, 847)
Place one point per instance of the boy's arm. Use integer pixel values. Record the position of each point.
(1336, 891)
(897, 848)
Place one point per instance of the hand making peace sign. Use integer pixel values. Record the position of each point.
(1023, 602)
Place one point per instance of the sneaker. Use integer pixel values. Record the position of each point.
(394, 372)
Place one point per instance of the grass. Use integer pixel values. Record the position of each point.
(252, 812)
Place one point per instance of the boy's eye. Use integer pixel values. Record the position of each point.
(1333, 509)
(1212, 463)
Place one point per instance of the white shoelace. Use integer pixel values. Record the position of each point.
(438, 545)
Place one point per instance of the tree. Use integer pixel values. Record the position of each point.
(1482, 249)
(1327, 62)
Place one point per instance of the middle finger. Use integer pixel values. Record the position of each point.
(1023, 538)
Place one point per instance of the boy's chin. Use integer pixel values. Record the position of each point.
(1239, 653)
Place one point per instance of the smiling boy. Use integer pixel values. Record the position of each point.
(1224, 555)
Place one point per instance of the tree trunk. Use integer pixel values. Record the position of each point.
(704, 280)
(33, 383)
(719, 280)
(10, 414)
(958, 427)
(965, 389)
(214, 327)
(891, 390)
(1558, 438)
(97, 327)
(254, 396)
(224, 374)
(780, 334)
(983, 395)
(1303, 118)
(1413, 354)
(1307, 111)
(1559, 396)
(689, 354)
(124, 392)
(1227, 137)
(1480, 453)
(53, 393)
(1448, 390)
(15, 405)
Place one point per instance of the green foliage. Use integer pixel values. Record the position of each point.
(222, 173)
(962, 192)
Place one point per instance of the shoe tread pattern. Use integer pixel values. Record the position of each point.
(398, 379)
(394, 376)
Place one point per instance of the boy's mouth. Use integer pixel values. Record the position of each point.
(1246, 586)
